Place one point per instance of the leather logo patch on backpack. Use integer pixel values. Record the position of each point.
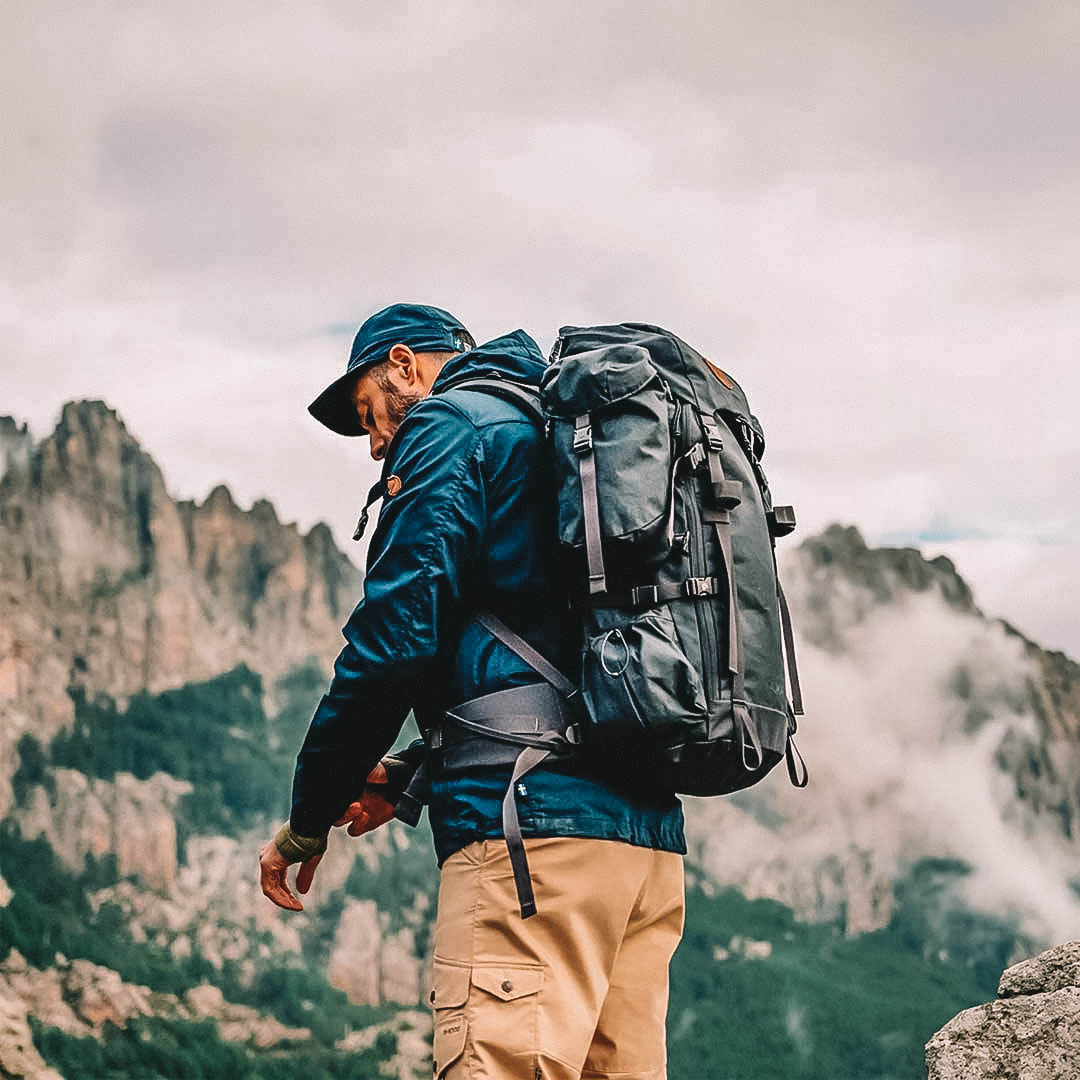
(723, 376)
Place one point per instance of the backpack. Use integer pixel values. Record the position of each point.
(669, 527)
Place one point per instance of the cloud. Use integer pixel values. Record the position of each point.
(863, 210)
(905, 767)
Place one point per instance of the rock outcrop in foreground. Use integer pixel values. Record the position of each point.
(1031, 1032)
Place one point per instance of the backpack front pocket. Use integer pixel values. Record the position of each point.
(611, 419)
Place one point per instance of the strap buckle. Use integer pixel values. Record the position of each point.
(583, 441)
(699, 586)
(643, 596)
(695, 458)
(781, 520)
(712, 433)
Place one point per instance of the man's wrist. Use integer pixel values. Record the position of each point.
(297, 848)
(399, 771)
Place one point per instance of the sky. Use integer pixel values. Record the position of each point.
(864, 210)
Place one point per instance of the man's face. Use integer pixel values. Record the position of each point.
(382, 396)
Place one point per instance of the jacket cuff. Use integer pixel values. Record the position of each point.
(297, 848)
(399, 771)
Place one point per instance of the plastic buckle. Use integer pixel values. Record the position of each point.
(583, 439)
(781, 520)
(642, 596)
(712, 434)
(698, 586)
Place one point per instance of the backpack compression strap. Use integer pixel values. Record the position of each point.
(725, 496)
(590, 505)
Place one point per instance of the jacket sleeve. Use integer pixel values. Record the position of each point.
(427, 538)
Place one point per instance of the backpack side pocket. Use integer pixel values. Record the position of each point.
(639, 685)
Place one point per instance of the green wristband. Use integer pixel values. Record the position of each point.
(297, 848)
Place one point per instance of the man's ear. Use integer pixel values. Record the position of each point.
(404, 360)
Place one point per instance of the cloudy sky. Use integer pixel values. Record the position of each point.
(865, 210)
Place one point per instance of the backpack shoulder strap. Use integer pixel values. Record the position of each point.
(524, 395)
(516, 644)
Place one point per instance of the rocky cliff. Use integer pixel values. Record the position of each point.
(110, 584)
(1032, 1030)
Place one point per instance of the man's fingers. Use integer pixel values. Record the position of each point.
(306, 873)
(272, 871)
(351, 811)
(275, 889)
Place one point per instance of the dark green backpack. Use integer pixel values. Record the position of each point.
(669, 528)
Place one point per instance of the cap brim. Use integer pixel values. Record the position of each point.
(335, 409)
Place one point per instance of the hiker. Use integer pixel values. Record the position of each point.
(561, 895)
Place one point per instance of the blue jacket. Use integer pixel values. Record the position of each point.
(471, 528)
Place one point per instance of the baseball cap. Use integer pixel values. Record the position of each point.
(421, 327)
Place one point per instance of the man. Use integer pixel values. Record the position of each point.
(467, 526)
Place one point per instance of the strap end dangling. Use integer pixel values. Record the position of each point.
(790, 754)
(361, 525)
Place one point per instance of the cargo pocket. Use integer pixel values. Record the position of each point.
(639, 684)
(448, 998)
(504, 1013)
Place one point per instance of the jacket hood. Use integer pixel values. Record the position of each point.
(513, 356)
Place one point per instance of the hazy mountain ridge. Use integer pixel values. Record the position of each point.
(933, 732)
(109, 584)
(942, 745)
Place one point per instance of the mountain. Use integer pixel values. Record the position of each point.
(159, 661)
(110, 585)
(932, 732)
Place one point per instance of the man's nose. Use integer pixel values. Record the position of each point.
(378, 448)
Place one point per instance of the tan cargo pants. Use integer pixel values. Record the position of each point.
(578, 990)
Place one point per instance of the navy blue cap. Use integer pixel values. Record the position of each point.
(422, 328)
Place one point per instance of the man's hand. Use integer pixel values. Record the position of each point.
(273, 875)
(372, 809)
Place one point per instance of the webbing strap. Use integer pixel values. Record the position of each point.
(791, 752)
(726, 493)
(375, 493)
(789, 654)
(594, 554)
(734, 666)
(524, 395)
(527, 760)
(551, 741)
(414, 798)
(745, 727)
(517, 644)
(643, 596)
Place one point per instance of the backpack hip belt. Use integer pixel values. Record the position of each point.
(521, 727)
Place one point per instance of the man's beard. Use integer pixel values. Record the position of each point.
(398, 404)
